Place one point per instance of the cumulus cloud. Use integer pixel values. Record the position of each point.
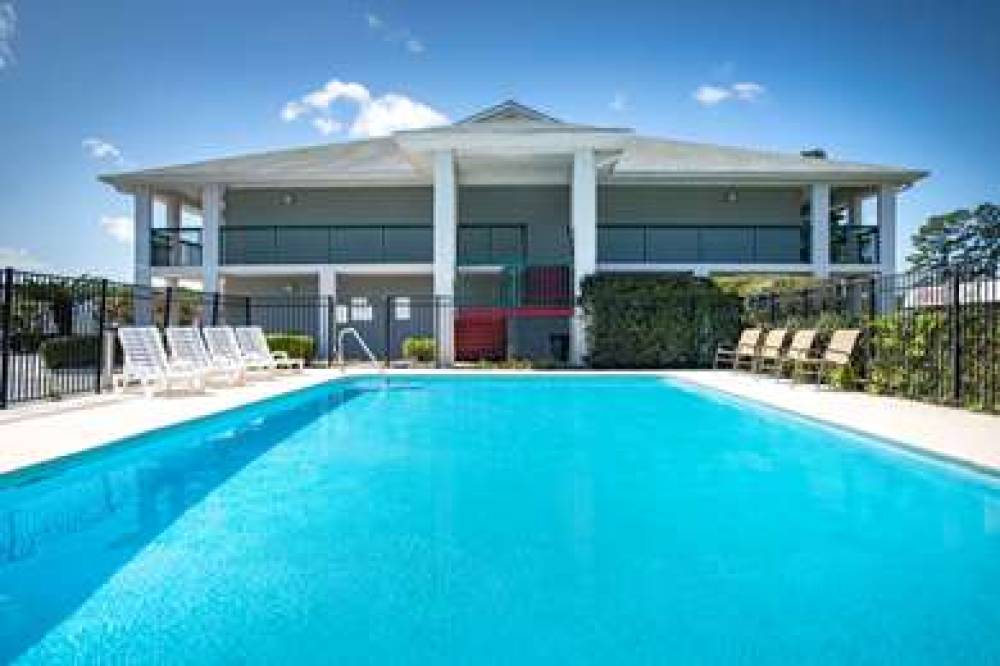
(369, 116)
(119, 227)
(619, 102)
(100, 149)
(394, 35)
(745, 91)
(8, 26)
(21, 258)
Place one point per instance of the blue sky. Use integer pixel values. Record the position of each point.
(913, 83)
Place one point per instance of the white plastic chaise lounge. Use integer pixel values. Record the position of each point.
(186, 346)
(254, 346)
(146, 363)
(223, 348)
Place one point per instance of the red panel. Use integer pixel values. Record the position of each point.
(480, 333)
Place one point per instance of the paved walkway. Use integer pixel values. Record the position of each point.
(31, 434)
(953, 434)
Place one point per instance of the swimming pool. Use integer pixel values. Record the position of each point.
(483, 519)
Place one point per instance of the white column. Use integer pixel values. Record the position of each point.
(212, 218)
(143, 275)
(820, 224)
(887, 228)
(445, 232)
(327, 278)
(584, 224)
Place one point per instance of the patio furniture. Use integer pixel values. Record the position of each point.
(838, 354)
(186, 345)
(146, 363)
(771, 351)
(744, 351)
(222, 344)
(255, 349)
(800, 349)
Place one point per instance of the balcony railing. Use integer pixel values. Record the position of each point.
(661, 244)
(854, 245)
(342, 244)
(176, 247)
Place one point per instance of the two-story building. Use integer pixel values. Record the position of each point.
(504, 214)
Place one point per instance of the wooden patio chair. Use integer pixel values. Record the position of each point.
(838, 354)
(744, 351)
(800, 349)
(771, 351)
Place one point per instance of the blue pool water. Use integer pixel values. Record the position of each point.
(474, 520)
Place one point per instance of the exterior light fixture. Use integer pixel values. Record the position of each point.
(287, 199)
(731, 196)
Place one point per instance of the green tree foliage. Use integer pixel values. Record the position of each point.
(970, 238)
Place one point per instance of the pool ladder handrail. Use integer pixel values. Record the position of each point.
(357, 336)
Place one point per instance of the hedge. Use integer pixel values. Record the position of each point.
(295, 345)
(75, 351)
(656, 321)
(420, 348)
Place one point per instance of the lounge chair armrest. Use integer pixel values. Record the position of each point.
(280, 355)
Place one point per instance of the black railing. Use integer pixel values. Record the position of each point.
(176, 247)
(930, 335)
(682, 244)
(354, 244)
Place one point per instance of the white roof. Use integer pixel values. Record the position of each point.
(510, 128)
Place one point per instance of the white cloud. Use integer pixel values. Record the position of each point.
(711, 95)
(619, 102)
(8, 26)
(369, 116)
(100, 149)
(746, 91)
(119, 227)
(21, 259)
(394, 35)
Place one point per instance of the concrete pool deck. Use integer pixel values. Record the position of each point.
(33, 434)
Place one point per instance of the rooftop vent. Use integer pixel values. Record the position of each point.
(814, 153)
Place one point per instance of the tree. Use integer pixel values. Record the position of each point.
(962, 237)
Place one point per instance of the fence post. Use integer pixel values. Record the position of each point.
(101, 320)
(955, 311)
(168, 299)
(5, 325)
(331, 330)
(215, 309)
(388, 330)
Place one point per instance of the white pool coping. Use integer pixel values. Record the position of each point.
(34, 434)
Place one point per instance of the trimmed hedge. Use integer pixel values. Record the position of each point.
(295, 345)
(74, 351)
(419, 348)
(656, 321)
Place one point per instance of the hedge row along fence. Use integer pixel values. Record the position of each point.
(657, 322)
(929, 335)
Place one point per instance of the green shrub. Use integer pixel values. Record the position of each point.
(295, 345)
(657, 322)
(419, 348)
(74, 351)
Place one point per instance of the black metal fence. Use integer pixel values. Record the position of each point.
(931, 335)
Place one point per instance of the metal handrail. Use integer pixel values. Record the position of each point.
(357, 336)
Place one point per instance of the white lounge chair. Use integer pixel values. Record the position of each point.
(186, 346)
(254, 346)
(146, 363)
(223, 348)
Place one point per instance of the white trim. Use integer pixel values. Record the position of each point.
(262, 270)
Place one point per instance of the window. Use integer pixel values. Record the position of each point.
(402, 307)
(361, 310)
(341, 314)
